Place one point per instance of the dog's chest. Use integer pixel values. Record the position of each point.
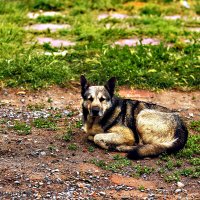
(93, 128)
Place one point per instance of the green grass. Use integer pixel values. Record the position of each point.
(22, 128)
(195, 125)
(72, 147)
(45, 123)
(115, 165)
(23, 63)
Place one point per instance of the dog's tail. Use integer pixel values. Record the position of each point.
(154, 149)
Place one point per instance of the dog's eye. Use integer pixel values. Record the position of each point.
(90, 99)
(102, 99)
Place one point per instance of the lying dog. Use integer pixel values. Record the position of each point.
(140, 128)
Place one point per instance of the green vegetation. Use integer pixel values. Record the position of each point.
(195, 125)
(72, 147)
(140, 170)
(23, 62)
(115, 165)
(47, 123)
(22, 128)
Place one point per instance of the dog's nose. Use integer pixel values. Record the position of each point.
(95, 111)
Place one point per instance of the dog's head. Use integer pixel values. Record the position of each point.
(97, 99)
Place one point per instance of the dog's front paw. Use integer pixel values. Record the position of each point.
(98, 139)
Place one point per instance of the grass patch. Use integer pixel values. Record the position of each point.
(45, 123)
(22, 128)
(195, 125)
(118, 163)
(24, 70)
(72, 147)
(22, 63)
(140, 170)
(143, 66)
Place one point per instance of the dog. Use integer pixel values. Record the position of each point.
(140, 128)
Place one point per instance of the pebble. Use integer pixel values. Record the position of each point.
(17, 182)
(180, 184)
(102, 193)
(43, 153)
(178, 191)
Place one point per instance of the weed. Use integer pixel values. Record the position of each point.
(52, 148)
(45, 123)
(191, 148)
(169, 165)
(172, 177)
(67, 136)
(72, 147)
(187, 171)
(50, 100)
(91, 149)
(117, 164)
(140, 170)
(22, 128)
(99, 163)
(141, 188)
(195, 125)
(195, 161)
(79, 124)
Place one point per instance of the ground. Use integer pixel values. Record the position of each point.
(56, 161)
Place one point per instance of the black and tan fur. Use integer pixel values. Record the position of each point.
(140, 128)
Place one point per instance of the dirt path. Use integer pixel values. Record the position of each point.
(42, 165)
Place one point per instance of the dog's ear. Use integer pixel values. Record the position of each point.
(110, 85)
(84, 84)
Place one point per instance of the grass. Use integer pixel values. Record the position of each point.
(195, 125)
(22, 128)
(23, 62)
(45, 123)
(72, 147)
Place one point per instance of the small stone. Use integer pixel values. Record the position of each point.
(178, 191)
(17, 182)
(180, 185)
(102, 193)
(55, 170)
(43, 153)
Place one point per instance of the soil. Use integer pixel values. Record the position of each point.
(41, 166)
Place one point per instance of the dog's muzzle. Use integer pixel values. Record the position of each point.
(95, 111)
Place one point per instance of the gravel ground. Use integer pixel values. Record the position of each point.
(42, 165)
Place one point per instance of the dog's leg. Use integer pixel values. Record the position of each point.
(105, 140)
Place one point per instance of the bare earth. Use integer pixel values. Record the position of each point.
(30, 169)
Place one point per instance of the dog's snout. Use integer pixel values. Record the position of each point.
(95, 110)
